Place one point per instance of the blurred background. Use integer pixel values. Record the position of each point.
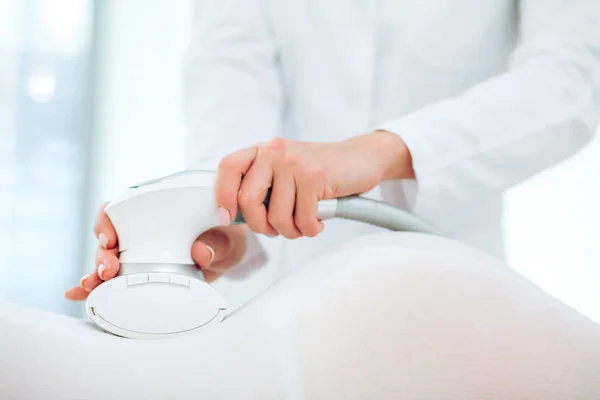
(90, 102)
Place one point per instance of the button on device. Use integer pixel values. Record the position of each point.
(158, 277)
(137, 279)
(182, 280)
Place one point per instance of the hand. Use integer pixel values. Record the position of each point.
(214, 252)
(300, 174)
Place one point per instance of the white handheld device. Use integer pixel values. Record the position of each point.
(159, 291)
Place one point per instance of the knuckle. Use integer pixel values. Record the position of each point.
(296, 235)
(101, 223)
(245, 198)
(290, 159)
(100, 256)
(301, 223)
(228, 162)
(307, 227)
(283, 224)
(291, 232)
(313, 173)
(276, 144)
(311, 232)
(229, 195)
(277, 220)
(258, 226)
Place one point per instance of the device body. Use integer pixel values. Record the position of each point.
(159, 290)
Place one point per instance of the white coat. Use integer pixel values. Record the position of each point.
(485, 93)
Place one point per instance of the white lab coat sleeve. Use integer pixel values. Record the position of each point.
(232, 89)
(543, 109)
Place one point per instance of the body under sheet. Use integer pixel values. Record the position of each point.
(387, 316)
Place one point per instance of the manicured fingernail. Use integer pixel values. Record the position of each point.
(83, 281)
(101, 269)
(224, 217)
(103, 239)
(212, 254)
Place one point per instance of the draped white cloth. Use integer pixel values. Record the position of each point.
(386, 316)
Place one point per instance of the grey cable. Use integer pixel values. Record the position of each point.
(381, 214)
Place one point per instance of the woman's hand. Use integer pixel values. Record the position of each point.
(215, 251)
(301, 174)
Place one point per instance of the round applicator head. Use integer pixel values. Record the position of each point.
(154, 305)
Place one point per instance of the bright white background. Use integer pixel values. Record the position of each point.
(552, 222)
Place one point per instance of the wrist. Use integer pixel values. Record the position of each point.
(395, 156)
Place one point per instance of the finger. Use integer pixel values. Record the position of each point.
(281, 205)
(102, 254)
(305, 214)
(104, 229)
(213, 247)
(252, 194)
(202, 254)
(211, 276)
(229, 248)
(107, 263)
(229, 178)
(76, 293)
(90, 281)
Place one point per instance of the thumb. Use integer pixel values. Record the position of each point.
(211, 247)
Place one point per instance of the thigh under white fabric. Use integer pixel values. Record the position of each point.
(386, 316)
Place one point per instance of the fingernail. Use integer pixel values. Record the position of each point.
(224, 217)
(83, 281)
(101, 268)
(103, 239)
(212, 254)
(272, 234)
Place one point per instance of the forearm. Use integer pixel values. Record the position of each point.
(474, 145)
(543, 109)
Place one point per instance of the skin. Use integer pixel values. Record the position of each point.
(300, 174)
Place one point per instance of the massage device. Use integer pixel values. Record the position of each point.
(159, 291)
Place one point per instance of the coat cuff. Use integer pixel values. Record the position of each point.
(416, 130)
(425, 137)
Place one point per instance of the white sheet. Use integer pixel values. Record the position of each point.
(388, 316)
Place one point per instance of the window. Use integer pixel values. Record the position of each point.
(46, 53)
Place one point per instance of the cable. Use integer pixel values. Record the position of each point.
(381, 214)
